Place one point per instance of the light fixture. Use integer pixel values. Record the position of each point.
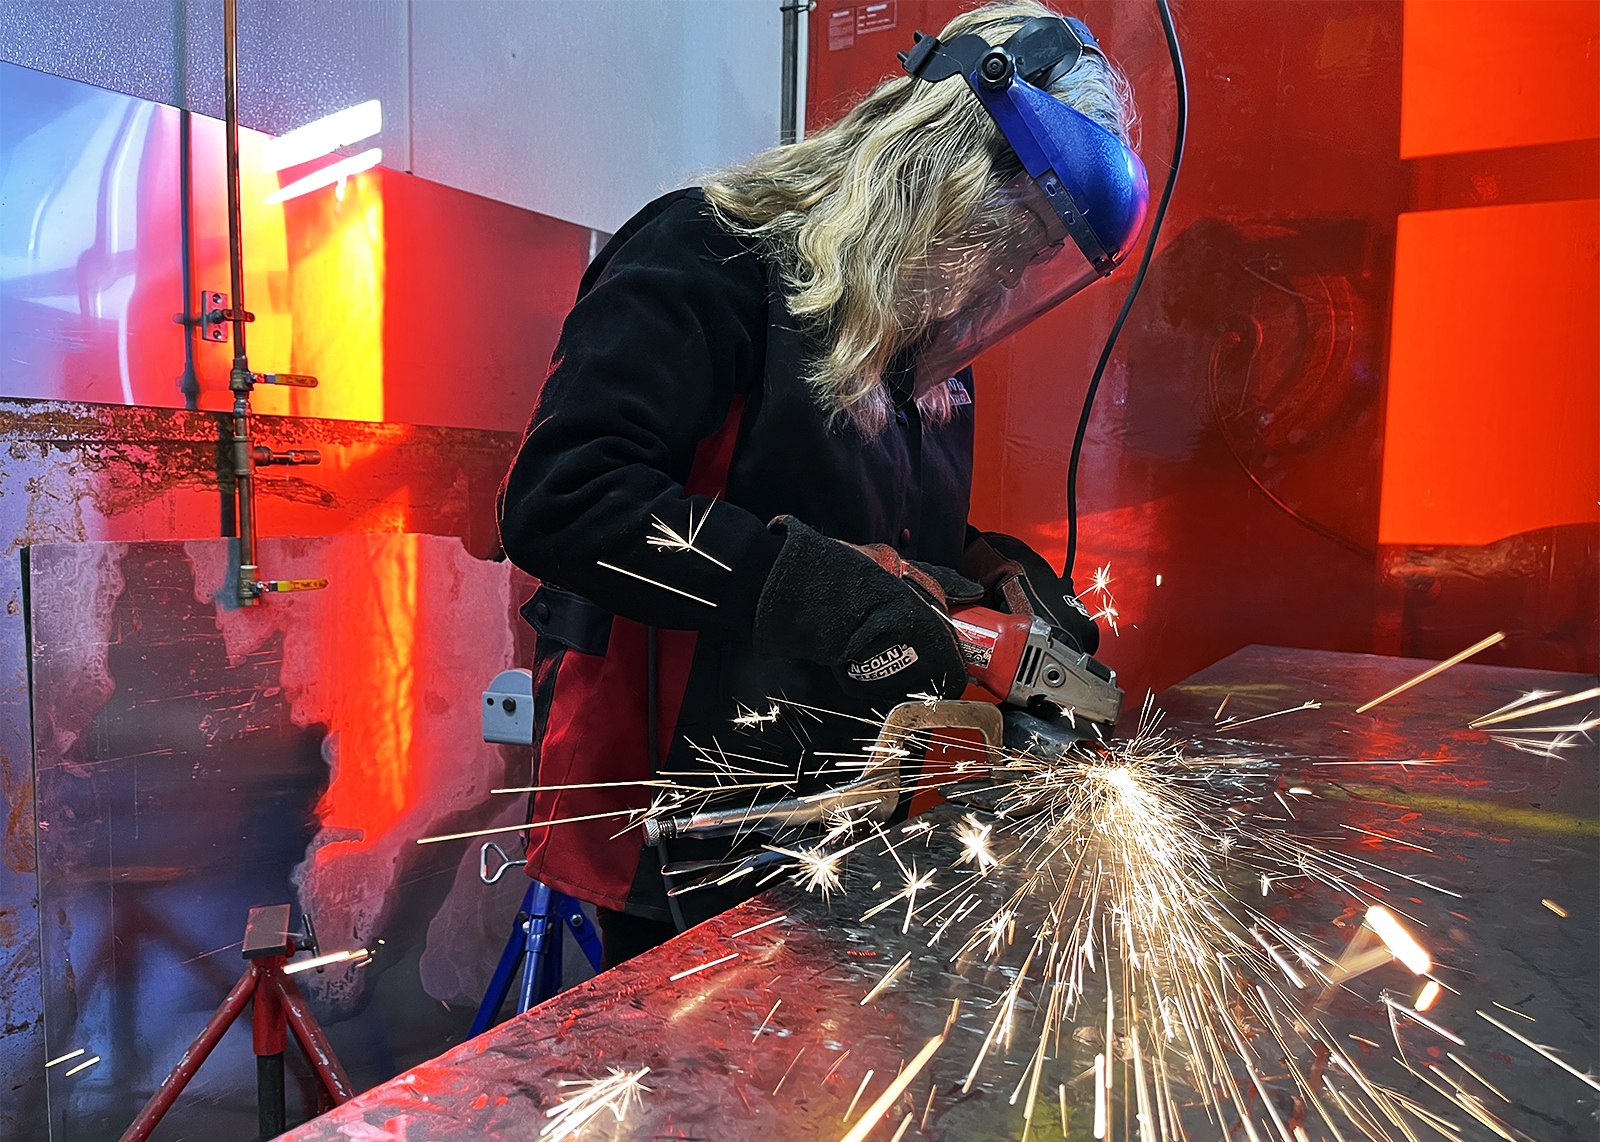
(323, 136)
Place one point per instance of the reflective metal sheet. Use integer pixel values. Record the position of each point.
(374, 285)
(72, 472)
(195, 760)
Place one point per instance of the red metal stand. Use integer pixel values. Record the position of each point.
(279, 1007)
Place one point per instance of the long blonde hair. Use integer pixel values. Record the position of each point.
(850, 211)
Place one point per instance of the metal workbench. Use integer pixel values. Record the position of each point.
(1504, 829)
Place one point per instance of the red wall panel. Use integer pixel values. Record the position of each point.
(1494, 413)
(1237, 447)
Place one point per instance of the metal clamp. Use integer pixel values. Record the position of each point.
(294, 457)
(214, 316)
(874, 797)
(506, 862)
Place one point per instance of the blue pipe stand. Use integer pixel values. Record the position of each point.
(535, 945)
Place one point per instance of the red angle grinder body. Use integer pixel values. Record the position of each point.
(1030, 664)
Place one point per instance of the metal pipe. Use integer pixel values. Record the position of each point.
(239, 379)
(230, 71)
(788, 126)
(189, 382)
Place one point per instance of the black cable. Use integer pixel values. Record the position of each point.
(652, 721)
(1330, 534)
(1133, 291)
(189, 380)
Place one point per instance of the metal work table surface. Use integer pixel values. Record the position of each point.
(1503, 829)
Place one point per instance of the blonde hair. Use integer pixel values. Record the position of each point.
(851, 212)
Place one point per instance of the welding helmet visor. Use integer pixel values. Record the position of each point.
(1067, 220)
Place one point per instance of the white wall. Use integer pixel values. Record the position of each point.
(582, 109)
(586, 109)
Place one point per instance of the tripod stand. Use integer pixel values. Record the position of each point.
(535, 943)
(278, 1007)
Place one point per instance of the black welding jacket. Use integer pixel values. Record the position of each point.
(676, 405)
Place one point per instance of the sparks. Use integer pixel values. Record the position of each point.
(616, 1093)
(1438, 668)
(1554, 704)
(975, 844)
(324, 961)
(1401, 943)
(869, 1117)
(670, 539)
(1118, 879)
(704, 966)
(652, 582)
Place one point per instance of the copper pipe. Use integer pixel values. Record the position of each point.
(239, 380)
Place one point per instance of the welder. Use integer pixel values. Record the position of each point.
(745, 484)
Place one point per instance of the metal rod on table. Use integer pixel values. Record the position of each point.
(239, 379)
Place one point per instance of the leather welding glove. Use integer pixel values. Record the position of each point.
(1019, 581)
(878, 620)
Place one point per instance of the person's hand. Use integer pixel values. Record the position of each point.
(947, 587)
(878, 620)
(1017, 580)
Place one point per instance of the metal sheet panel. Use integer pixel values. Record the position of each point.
(74, 472)
(297, 62)
(409, 301)
(584, 111)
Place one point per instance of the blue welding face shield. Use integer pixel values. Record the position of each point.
(1067, 220)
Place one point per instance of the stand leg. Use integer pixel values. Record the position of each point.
(550, 978)
(500, 985)
(174, 1083)
(312, 1040)
(269, 1033)
(271, 1115)
(538, 945)
(581, 927)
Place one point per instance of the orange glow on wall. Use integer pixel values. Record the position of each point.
(338, 285)
(1493, 422)
(374, 771)
(315, 278)
(266, 255)
(1486, 74)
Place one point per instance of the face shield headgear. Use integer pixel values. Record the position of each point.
(1067, 220)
